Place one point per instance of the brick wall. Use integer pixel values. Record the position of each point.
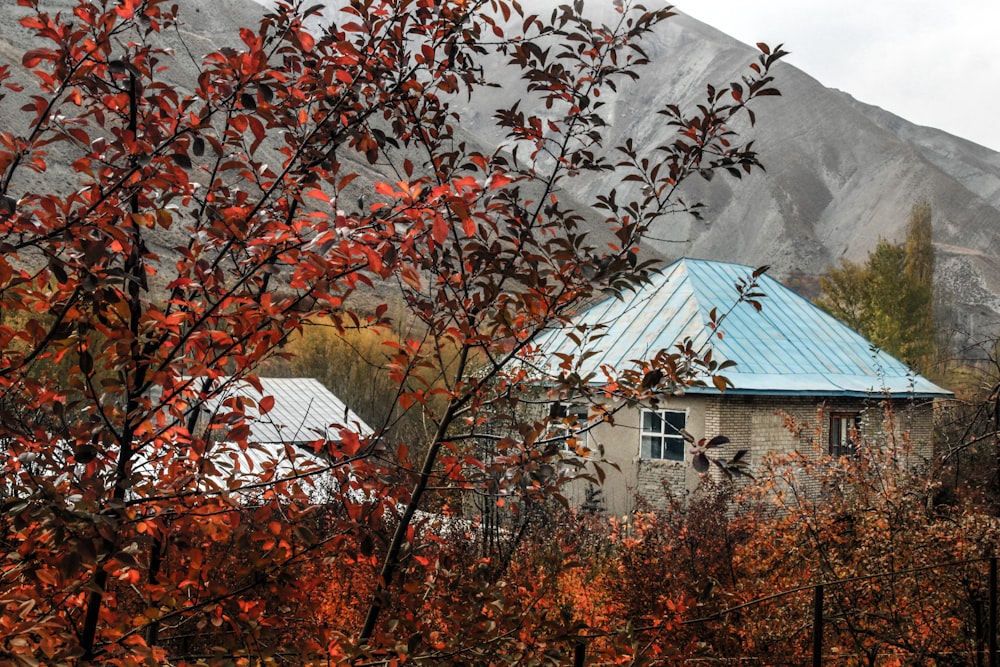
(656, 479)
(768, 423)
(765, 424)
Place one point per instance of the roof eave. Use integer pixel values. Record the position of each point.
(842, 393)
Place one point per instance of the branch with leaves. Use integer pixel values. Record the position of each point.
(197, 228)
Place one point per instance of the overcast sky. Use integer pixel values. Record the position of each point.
(933, 63)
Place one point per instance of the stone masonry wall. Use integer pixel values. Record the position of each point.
(656, 480)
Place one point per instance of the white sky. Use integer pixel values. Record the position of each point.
(933, 63)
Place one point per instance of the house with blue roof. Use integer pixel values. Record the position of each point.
(801, 380)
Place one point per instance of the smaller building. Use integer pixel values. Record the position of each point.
(282, 440)
(801, 379)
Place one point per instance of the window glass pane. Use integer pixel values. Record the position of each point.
(842, 429)
(674, 449)
(651, 421)
(582, 427)
(675, 422)
(646, 451)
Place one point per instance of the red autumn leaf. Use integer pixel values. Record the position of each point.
(439, 229)
(499, 180)
(306, 40)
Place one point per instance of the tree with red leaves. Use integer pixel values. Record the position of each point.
(191, 230)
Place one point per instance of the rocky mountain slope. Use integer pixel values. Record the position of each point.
(840, 174)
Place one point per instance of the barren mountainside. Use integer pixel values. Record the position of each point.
(840, 174)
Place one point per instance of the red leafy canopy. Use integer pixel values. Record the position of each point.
(188, 239)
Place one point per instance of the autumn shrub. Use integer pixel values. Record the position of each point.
(903, 575)
(723, 576)
(726, 575)
(968, 433)
(171, 221)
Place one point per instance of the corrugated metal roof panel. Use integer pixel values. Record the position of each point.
(304, 410)
(790, 346)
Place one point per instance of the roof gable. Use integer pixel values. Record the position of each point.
(789, 347)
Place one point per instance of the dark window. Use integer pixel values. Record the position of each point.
(577, 429)
(661, 434)
(570, 424)
(844, 433)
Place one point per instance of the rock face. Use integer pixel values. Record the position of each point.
(840, 174)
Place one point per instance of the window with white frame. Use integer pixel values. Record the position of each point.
(661, 437)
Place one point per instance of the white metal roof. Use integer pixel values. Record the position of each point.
(304, 411)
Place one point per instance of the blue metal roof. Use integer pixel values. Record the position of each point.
(789, 347)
